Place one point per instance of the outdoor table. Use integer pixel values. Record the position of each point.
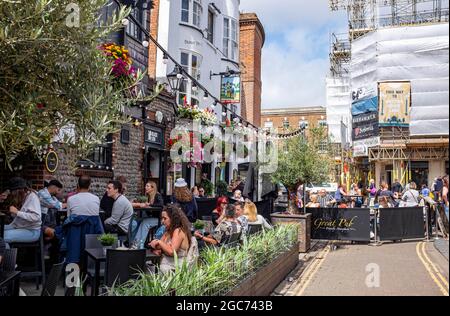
(2, 224)
(99, 256)
(154, 211)
(10, 279)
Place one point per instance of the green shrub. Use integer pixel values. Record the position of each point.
(219, 269)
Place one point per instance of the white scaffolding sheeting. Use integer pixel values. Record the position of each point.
(419, 54)
(338, 105)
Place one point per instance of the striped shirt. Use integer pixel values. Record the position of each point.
(324, 200)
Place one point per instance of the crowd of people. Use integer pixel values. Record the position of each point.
(28, 211)
(410, 195)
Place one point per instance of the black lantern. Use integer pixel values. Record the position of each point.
(175, 79)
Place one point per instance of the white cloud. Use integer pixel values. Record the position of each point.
(295, 56)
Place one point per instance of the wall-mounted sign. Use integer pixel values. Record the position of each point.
(361, 147)
(365, 106)
(230, 91)
(364, 119)
(153, 135)
(395, 103)
(51, 162)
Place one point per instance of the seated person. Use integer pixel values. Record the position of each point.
(25, 207)
(106, 203)
(313, 203)
(122, 211)
(83, 203)
(201, 192)
(237, 195)
(177, 239)
(195, 191)
(325, 199)
(49, 205)
(218, 213)
(251, 212)
(155, 199)
(242, 219)
(226, 228)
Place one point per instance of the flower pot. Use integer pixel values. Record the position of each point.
(105, 248)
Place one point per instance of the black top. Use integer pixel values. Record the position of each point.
(106, 204)
(159, 201)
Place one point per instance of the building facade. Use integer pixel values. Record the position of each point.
(203, 36)
(252, 38)
(138, 151)
(282, 120)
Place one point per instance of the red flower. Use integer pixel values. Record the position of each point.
(40, 106)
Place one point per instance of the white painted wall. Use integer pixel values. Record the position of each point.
(175, 36)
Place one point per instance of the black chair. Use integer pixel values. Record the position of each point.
(205, 206)
(39, 260)
(123, 265)
(9, 260)
(51, 284)
(233, 241)
(254, 229)
(92, 242)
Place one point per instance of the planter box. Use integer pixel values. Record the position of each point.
(304, 223)
(266, 279)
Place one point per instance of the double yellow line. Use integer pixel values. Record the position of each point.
(434, 273)
(311, 271)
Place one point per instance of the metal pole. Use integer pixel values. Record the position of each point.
(427, 222)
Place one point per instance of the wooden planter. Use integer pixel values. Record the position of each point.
(304, 223)
(266, 279)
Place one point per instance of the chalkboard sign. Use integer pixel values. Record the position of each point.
(51, 162)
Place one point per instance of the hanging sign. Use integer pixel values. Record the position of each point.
(230, 91)
(51, 162)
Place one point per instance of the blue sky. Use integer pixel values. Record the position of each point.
(295, 55)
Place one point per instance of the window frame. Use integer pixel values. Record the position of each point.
(230, 38)
(211, 26)
(104, 154)
(132, 30)
(191, 96)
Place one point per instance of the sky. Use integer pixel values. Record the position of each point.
(295, 54)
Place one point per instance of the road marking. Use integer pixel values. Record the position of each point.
(430, 272)
(434, 266)
(311, 271)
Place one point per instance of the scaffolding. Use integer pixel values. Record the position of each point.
(340, 55)
(366, 15)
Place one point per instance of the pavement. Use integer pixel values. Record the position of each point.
(410, 268)
(442, 246)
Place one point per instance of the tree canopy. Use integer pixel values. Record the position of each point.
(54, 77)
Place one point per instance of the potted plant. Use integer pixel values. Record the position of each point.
(107, 241)
(222, 188)
(199, 225)
(142, 199)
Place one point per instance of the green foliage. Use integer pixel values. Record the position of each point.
(142, 199)
(219, 269)
(208, 186)
(300, 160)
(107, 239)
(222, 188)
(53, 77)
(199, 225)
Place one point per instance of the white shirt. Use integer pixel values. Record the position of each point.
(83, 203)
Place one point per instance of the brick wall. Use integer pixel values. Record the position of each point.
(252, 39)
(152, 49)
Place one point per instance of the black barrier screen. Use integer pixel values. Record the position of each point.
(401, 223)
(340, 224)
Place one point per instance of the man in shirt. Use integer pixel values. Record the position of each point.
(243, 220)
(325, 199)
(106, 203)
(50, 205)
(84, 202)
(122, 210)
